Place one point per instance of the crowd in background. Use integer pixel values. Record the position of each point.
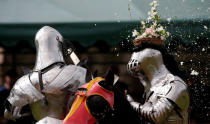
(7, 80)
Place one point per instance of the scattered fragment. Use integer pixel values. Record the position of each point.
(193, 72)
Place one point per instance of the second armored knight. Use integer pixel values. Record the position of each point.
(167, 98)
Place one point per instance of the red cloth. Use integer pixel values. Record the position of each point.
(79, 113)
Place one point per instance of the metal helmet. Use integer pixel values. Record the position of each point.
(145, 60)
(48, 43)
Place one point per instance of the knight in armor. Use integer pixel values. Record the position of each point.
(49, 86)
(166, 94)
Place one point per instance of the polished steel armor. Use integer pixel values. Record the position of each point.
(58, 81)
(167, 98)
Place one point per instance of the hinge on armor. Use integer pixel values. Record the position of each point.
(44, 100)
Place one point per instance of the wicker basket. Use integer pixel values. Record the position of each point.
(157, 41)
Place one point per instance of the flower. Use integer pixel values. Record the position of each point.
(134, 33)
(150, 31)
(162, 38)
(155, 24)
(142, 22)
(153, 8)
(154, 13)
(149, 18)
(153, 3)
(160, 29)
(152, 27)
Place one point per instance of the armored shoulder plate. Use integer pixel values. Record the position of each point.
(24, 92)
(176, 91)
(179, 93)
(68, 77)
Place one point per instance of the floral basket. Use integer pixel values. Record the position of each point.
(151, 31)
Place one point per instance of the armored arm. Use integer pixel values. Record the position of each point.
(22, 93)
(14, 112)
(11, 112)
(166, 100)
(135, 105)
(155, 112)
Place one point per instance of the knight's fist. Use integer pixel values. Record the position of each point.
(12, 115)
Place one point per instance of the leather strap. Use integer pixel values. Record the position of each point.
(44, 101)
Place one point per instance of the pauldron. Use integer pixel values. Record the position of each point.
(174, 89)
(24, 92)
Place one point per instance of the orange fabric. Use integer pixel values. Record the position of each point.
(79, 113)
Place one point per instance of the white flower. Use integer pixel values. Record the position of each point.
(135, 33)
(149, 18)
(162, 38)
(193, 72)
(154, 13)
(160, 29)
(153, 3)
(142, 22)
(203, 49)
(153, 8)
(144, 34)
(155, 23)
